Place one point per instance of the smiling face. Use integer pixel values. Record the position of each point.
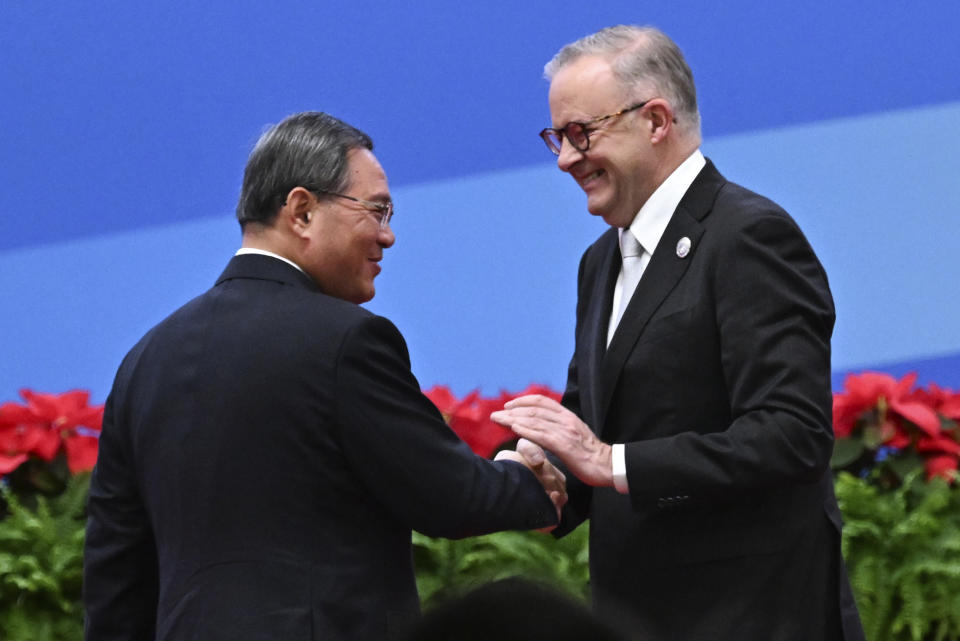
(344, 241)
(621, 168)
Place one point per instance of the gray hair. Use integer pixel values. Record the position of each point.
(640, 57)
(306, 150)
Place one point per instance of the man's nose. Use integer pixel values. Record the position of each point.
(386, 237)
(569, 155)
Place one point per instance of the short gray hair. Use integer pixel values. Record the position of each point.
(306, 150)
(639, 56)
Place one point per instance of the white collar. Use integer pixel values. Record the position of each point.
(652, 219)
(264, 252)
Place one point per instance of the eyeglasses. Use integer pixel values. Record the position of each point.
(578, 133)
(382, 211)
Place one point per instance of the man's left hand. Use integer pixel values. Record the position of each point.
(553, 480)
(553, 427)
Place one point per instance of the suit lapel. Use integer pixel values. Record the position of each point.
(595, 321)
(665, 270)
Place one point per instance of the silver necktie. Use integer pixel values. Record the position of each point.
(632, 253)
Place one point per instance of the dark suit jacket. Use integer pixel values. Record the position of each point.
(718, 381)
(265, 453)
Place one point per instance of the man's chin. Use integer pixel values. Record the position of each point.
(601, 209)
(597, 209)
(612, 218)
(359, 297)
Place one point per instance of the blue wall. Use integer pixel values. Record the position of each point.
(126, 129)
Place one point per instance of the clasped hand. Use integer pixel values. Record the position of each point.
(553, 427)
(553, 480)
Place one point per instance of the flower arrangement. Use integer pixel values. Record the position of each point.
(901, 536)
(885, 428)
(901, 540)
(48, 438)
(48, 444)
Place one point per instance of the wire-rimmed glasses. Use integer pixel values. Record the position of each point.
(382, 211)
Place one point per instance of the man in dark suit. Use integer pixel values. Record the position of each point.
(266, 450)
(697, 413)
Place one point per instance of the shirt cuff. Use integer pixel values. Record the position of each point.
(620, 469)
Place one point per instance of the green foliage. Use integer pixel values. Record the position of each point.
(447, 568)
(41, 564)
(902, 549)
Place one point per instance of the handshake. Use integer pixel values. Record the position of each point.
(543, 423)
(553, 480)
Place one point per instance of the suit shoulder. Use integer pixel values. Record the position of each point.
(336, 313)
(267, 316)
(599, 249)
(745, 203)
(744, 223)
(344, 321)
(162, 327)
(738, 212)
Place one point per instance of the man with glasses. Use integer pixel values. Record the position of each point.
(696, 423)
(266, 450)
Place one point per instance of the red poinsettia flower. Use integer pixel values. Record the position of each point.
(22, 434)
(943, 401)
(471, 421)
(941, 444)
(11, 437)
(941, 450)
(444, 399)
(901, 417)
(950, 406)
(10, 463)
(81, 450)
(896, 398)
(943, 466)
(44, 424)
(64, 411)
(469, 417)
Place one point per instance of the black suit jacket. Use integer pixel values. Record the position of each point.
(265, 453)
(718, 381)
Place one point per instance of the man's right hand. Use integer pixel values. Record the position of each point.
(533, 458)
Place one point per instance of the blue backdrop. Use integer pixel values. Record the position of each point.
(126, 127)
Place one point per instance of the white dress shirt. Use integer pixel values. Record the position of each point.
(264, 252)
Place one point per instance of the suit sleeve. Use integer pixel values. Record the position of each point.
(120, 584)
(774, 315)
(411, 460)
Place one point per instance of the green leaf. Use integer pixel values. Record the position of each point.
(41, 564)
(845, 452)
(873, 437)
(902, 550)
(448, 568)
(904, 464)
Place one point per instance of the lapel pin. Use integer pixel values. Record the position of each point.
(683, 247)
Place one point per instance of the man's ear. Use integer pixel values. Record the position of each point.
(660, 119)
(296, 212)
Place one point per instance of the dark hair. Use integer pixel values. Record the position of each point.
(307, 150)
(513, 609)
